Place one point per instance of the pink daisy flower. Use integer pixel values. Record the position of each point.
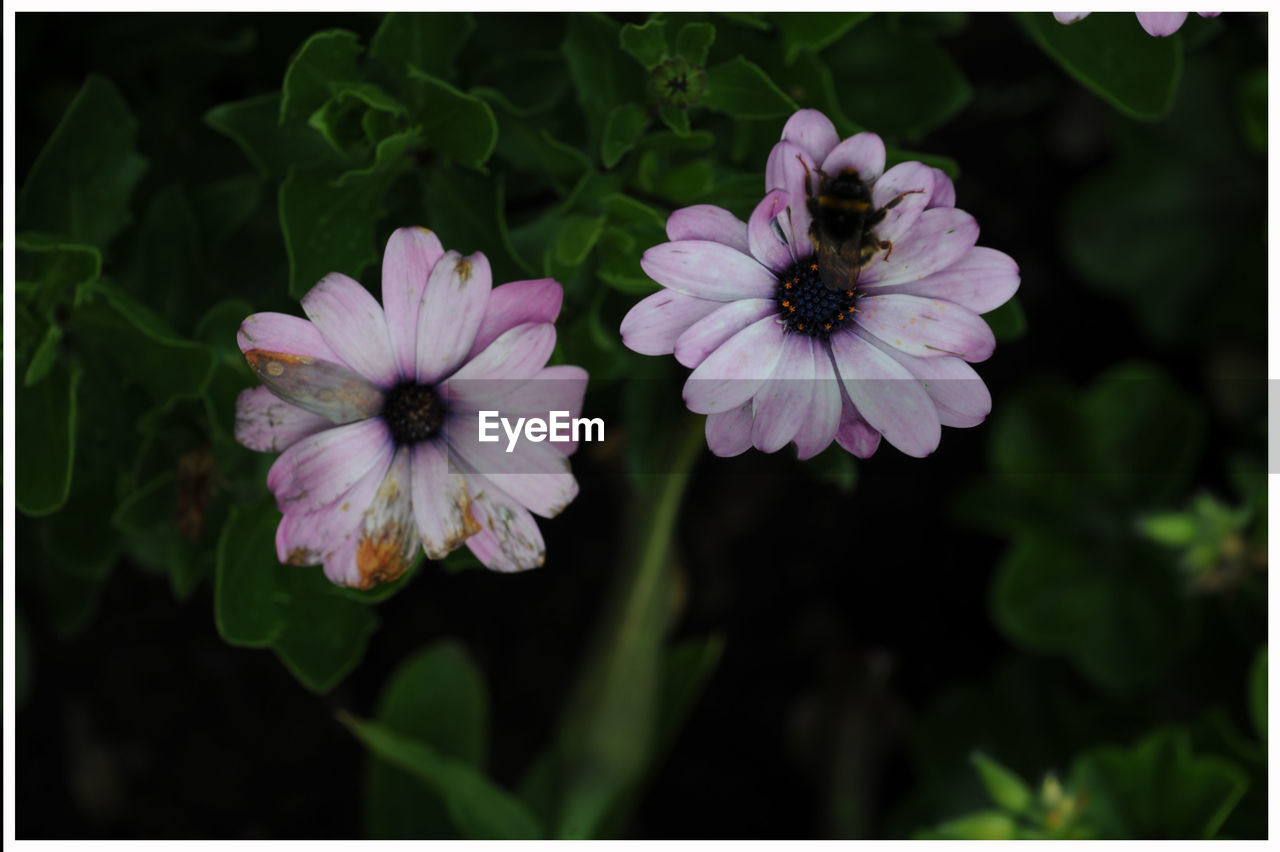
(374, 413)
(779, 358)
(1155, 23)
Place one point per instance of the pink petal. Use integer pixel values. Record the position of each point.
(886, 395)
(864, 153)
(788, 392)
(767, 246)
(657, 320)
(926, 328)
(707, 222)
(509, 538)
(939, 238)
(535, 474)
(383, 545)
(324, 388)
(823, 418)
(516, 303)
(311, 538)
(913, 178)
(285, 334)
(944, 191)
(732, 374)
(959, 394)
(558, 388)
(1070, 17)
(268, 424)
(791, 169)
(813, 132)
(1161, 23)
(453, 307)
(410, 256)
(982, 280)
(709, 333)
(517, 355)
(441, 504)
(729, 432)
(854, 433)
(353, 324)
(708, 270)
(319, 469)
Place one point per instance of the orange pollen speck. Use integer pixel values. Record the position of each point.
(800, 327)
(839, 316)
(786, 304)
(814, 267)
(827, 326)
(792, 309)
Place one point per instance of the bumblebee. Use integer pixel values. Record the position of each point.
(843, 226)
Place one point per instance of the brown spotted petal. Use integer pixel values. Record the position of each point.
(321, 387)
(383, 545)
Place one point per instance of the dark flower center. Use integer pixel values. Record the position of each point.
(808, 307)
(412, 412)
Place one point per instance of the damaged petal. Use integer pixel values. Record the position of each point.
(330, 390)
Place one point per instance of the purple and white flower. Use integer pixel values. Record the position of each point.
(1155, 23)
(777, 358)
(374, 411)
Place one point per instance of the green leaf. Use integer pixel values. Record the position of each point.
(253, 124)
(167, 251)
(344, 120)
(81, 184)
(429, 42)
(325, 59)
(1008, 322)
(1251, 100)
(738, 87)
(647, 43)
(675, 118)
(55, 270)
(1258, 693)
(984, 825)
(45, 429)
(437, 697)
(813, 31)
(621, 130)
(455, 124)
(1005, 788)
(478, 807)
(317, 633)
(694, 42)
(686, 668)
(1110, 54)
(46, 353)
(925, 90)
(602, 76)
(328, 223)
(1158, 789)
(577, 237)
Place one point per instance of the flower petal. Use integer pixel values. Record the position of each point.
(657, 320)
(708, 222)
(268, 424)
(708, 270)
(813, 132)
(855, 434)
(729, 432)
(353, 324)
(939, 238)
(516, 303)
(516, 356)
(535, 474)
(767, 245)
(731, 375)
(926, 328)
(944, 191)
(709, 333)
(285, 334)
(886, 395)
(453, 307)
(1069, 17)
(982, 280)
(864, 153)
(913, 178)
(1161, 23)
(509, 538)
(959, 394)
(410, 256)
(311, 538)
(823, 418)
(441, 503)
(319, 469)
(388, 538)
(790, 168)
(780, 403)
(324, 388)
(558, 388)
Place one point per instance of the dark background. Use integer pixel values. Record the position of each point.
(849, 618)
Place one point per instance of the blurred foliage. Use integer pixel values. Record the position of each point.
(158, 210)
